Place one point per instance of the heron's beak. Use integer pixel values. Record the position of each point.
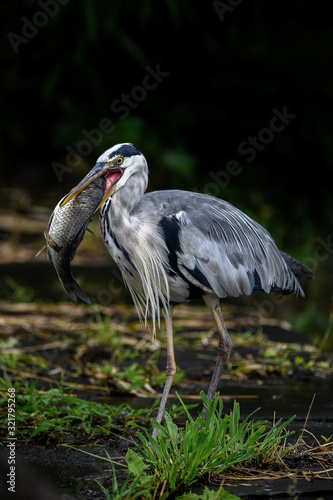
(111, 172)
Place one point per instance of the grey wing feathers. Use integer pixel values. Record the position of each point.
(236, 255)
(222, 248)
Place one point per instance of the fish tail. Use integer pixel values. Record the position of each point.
(74, 291)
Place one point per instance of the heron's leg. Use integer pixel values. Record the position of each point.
(170, 368)
(223, 351)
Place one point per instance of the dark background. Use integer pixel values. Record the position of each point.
(229, 64)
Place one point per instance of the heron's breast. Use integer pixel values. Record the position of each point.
(121, 257)
(118, 252)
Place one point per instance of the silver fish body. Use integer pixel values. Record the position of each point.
(65, 232)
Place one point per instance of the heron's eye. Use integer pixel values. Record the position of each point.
(119, 160)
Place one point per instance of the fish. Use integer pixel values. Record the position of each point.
(66, 228)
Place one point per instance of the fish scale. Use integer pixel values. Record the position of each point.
(65, 232)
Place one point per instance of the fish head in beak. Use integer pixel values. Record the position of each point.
(110, 170)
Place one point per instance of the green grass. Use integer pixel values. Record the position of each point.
(19, 293)
(100, 339)
(170, 465)
(178, 459)
(208, 445)
(57, 415)
(280, 358)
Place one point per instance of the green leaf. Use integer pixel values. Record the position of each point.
(136, 465)
(208, 494)
(172, 428)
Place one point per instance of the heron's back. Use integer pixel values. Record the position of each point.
(215, 248)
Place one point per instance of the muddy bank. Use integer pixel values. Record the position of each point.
(272, 368)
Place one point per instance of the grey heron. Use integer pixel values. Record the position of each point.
(173, 246)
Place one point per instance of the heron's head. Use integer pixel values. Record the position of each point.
(116, 165)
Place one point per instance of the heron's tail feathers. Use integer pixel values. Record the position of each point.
(300, 271)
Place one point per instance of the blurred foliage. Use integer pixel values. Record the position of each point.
(226, 73)
(225, 77)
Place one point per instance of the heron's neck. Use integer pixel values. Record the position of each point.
(125, 200)
(135, 243)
